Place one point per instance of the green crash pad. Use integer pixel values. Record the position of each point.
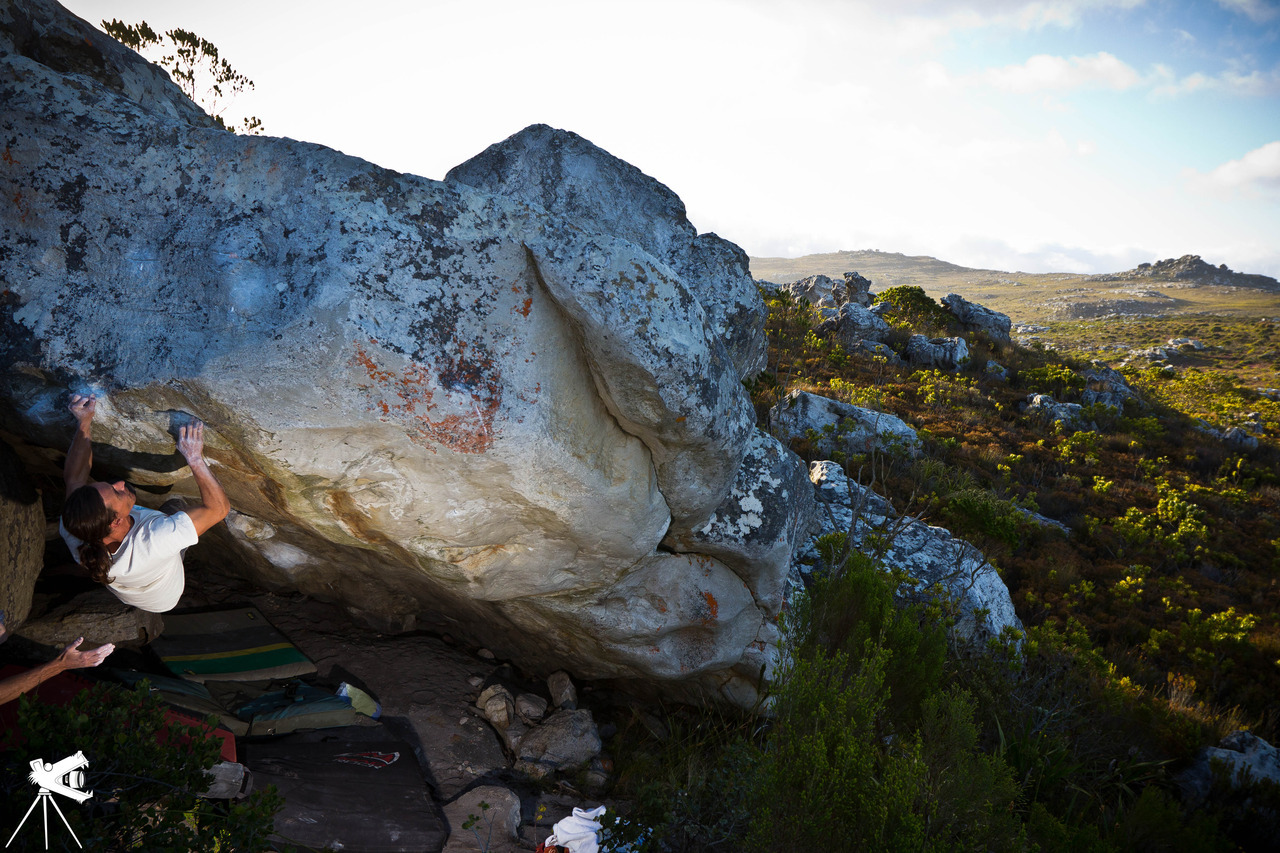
(231, 644)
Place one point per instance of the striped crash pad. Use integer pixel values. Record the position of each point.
(231, 644)
(358, 796)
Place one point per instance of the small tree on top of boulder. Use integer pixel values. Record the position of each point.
(195, 64)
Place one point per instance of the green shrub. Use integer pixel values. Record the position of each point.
(914, 309)
(145, 774)
(1057, 380)
(979, 511)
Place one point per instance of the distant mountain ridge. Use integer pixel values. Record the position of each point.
(1192, 269)
(1175, 285)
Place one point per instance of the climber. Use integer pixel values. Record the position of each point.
(137, 552)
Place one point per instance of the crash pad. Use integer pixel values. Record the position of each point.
(358, 796)
(229, 644)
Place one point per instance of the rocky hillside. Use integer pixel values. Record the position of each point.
(1194, 272)
(1187, 285)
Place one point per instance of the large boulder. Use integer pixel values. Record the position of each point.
(947, 353)
(820, 291)
(1247, 758)
(476, 408)
(931, 556)
(824, 292)
(840, 426)
(852, 324)
(566, 175)
(976, 318)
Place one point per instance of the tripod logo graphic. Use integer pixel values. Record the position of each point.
(65, 778)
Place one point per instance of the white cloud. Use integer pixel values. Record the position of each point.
(1043, 74)
(1256, 173)
(1011, 14)
(1258, 11)
(1057, 73)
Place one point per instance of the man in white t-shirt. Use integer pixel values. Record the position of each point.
(136, 552)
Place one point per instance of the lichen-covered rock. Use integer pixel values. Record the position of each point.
(1107, 387)
(435, 404)
(42, 30)
(1247, 757)
(946, 353)
(976, 318)
(840, 426)
(824, 292)
(820, 291)
(852, 324)
(568, 176)
(1046, 410)
(857, 289)
(767, 512)
(981, 604)
(1239, 438)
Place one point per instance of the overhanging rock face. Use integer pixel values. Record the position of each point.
(426, 400)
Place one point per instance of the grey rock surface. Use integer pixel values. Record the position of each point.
(1108, 387)
(567, 740)
(857, 289)
(980, 601)
(976, 318)
(767, 512)
(433, 403)
(841, 426)
(820, 291)
(485, 819)
(1046, 410)
(1239, 438)
(564, 695)
(946, 353)
(99, 617)
(1246, 756)
(565, 174)
(851, 324)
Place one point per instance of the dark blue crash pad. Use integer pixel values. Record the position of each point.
(358, 796)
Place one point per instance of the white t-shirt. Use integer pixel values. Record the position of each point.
(146, 570)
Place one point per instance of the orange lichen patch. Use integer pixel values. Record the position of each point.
(8, 157)
(713, 606)
(523, 310)
(408, 397)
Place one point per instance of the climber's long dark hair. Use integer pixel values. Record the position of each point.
(88, 519)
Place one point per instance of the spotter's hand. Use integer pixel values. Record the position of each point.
(73, 657)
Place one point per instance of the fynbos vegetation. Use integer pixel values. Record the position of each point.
(1151, 608)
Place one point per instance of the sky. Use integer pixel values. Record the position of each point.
(1047, 136)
